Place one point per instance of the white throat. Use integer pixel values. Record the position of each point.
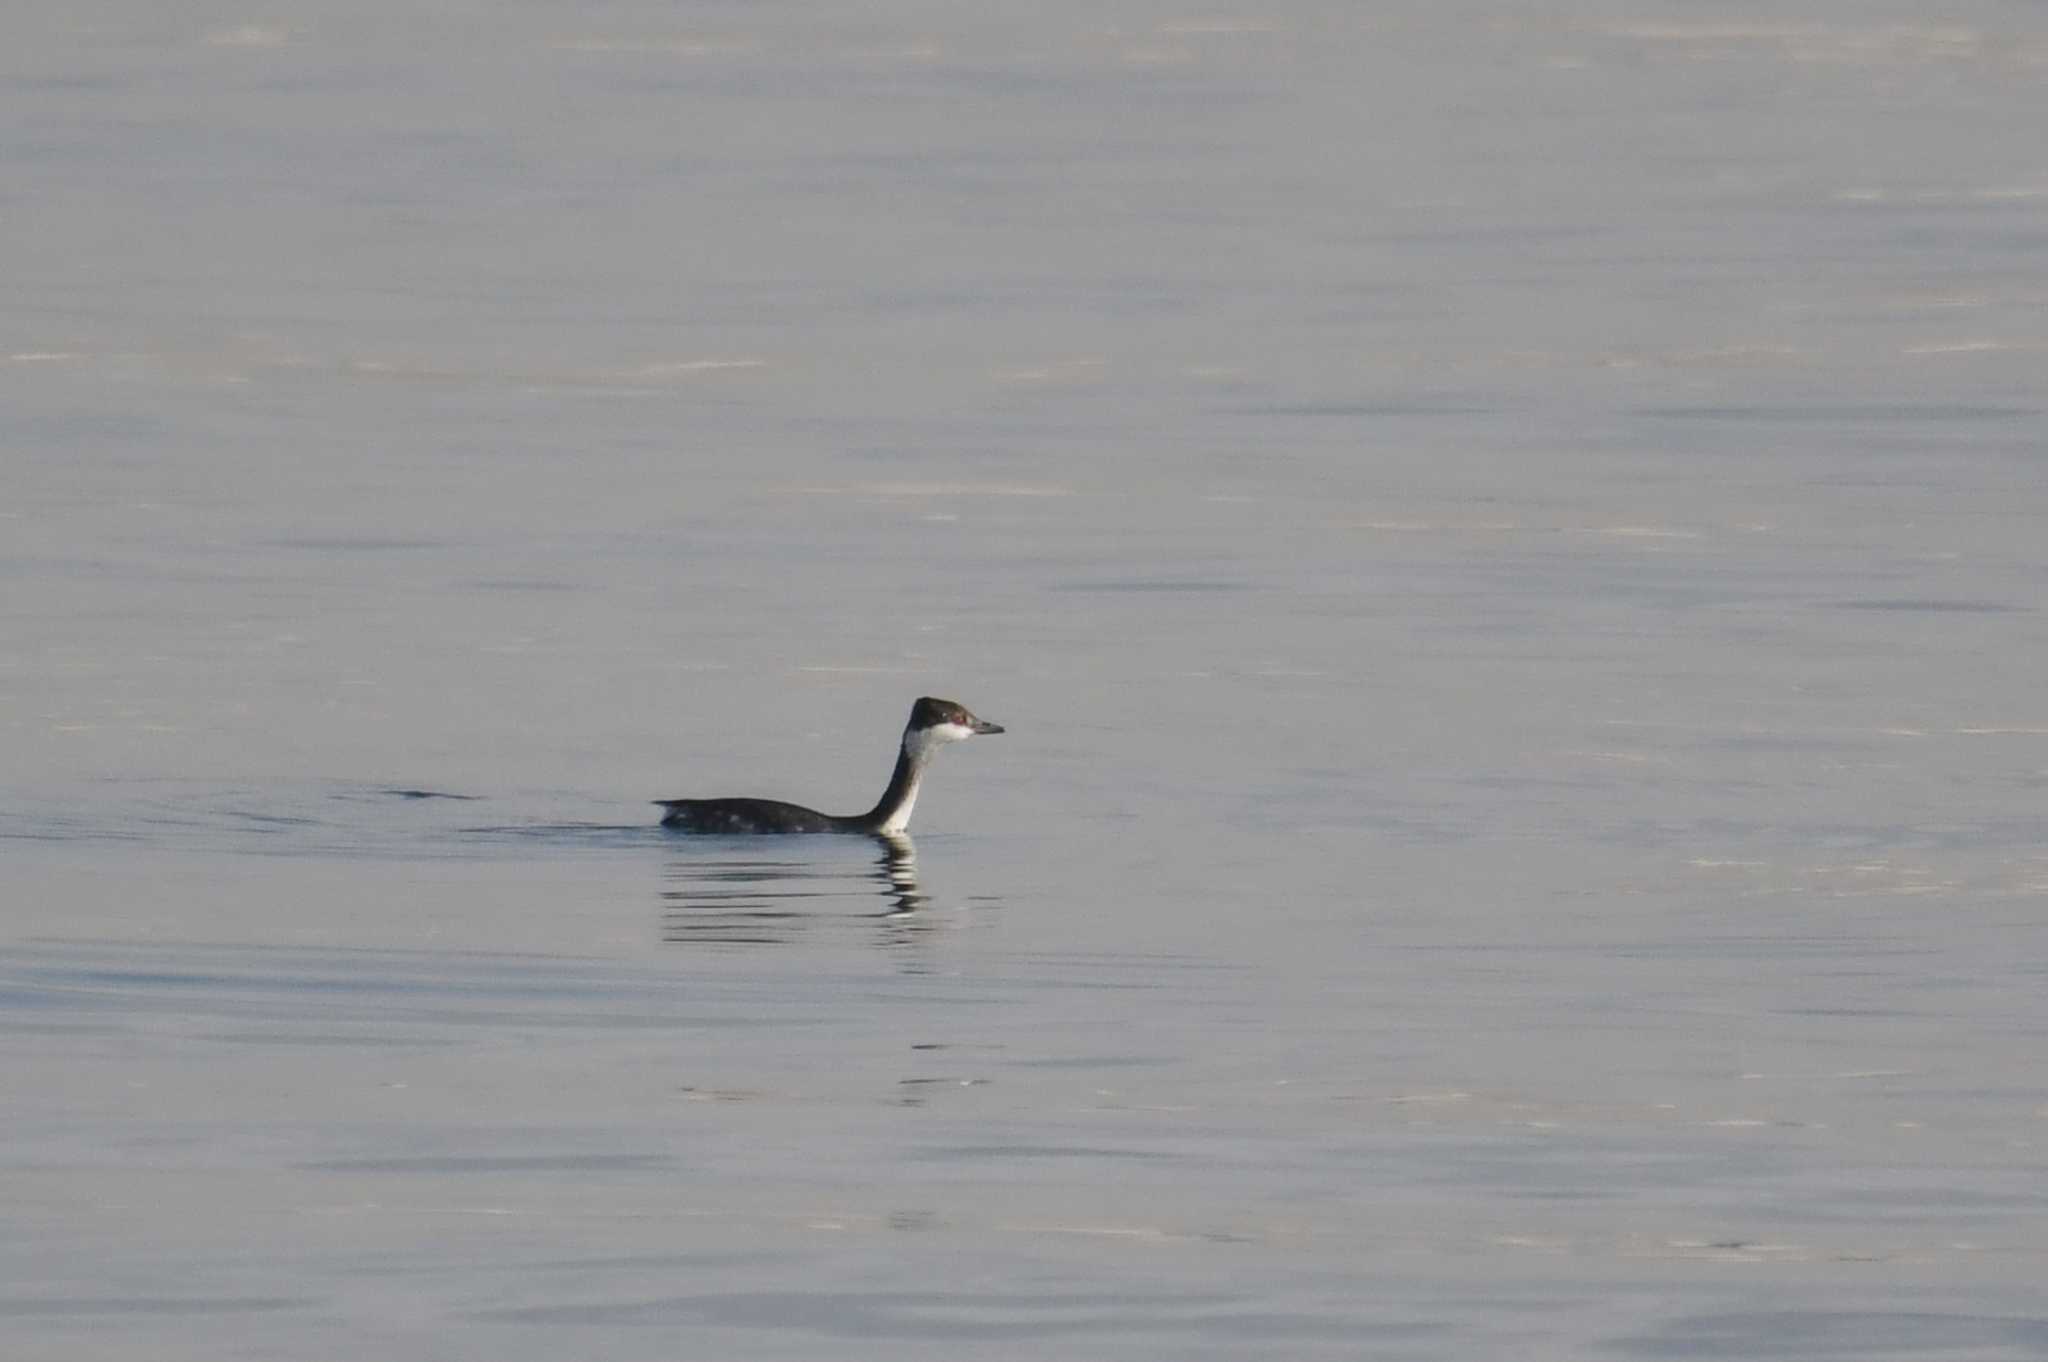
(918, 745)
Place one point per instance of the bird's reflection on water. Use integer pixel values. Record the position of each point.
(727, 893)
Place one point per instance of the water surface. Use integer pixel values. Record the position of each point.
(1507, 546)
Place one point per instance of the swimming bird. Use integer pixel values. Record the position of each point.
(933, 724)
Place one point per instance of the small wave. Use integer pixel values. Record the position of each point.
(569, 834)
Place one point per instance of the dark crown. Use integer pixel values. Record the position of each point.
(929, 713)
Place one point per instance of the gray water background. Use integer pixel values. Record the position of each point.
(1507, 540)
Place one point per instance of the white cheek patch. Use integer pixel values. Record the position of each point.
(922, 740)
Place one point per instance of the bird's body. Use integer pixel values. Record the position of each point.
(749, 815)
(933, 724)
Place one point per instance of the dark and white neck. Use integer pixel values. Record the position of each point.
(892, 813)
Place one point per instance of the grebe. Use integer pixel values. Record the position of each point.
(933, 724)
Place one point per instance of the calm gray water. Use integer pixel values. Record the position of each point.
(1508, 542)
